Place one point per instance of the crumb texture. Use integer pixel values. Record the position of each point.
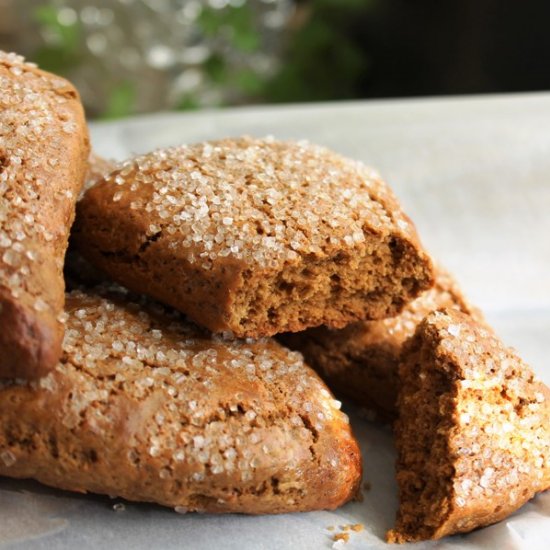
(43, 150)
(255, 236)
(361, 361)
(148, 407)
(473, 435)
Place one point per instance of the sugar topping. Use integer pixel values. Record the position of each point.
(34, 120)
(260, 201)
(502, 434)
(242, 404)
(15, 62)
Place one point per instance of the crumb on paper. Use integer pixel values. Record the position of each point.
(344, 536)
(341, 536)
(330, 528)
(119, 507)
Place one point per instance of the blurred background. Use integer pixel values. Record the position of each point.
(137, 56)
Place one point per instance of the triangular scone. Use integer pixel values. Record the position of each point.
(147, 407)
(43, 150)
(255, 236)
(473, 434)
(361, 360)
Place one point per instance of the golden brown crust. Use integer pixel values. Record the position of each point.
(43, 151)
(360, 362)
(146, 406)
(255, 236)
(473, 434)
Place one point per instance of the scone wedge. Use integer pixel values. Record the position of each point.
(255, 236)
(473, 434)
(361, 361)
(43, 150)
(145, 406)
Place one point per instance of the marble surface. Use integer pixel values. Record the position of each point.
(474, 174)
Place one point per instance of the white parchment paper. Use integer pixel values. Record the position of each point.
(474, 174)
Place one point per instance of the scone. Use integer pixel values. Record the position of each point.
(43, 151)
(145, 406)
(255, 236)
(473, 434)
(360, 361)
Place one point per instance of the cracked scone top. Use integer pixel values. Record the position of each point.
(473, 433)
(146, 406)
(255, 236)
(43, 151)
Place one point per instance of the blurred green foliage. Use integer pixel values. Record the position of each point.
(236, 25)
(237, 22)
(323, 60)
(320, 60)
(121, 100)
(62, 51)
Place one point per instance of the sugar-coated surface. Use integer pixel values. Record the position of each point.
(141, 349)
(256, 200)
(33, 123)
(473, 433)
(43, 150)
(503, 414)
(205, 421)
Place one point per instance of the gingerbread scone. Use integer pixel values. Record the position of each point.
(43, 150)
(146, 406)
(255, 236)
(473, 433)
(360, 361)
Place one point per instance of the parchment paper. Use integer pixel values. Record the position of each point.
(474, 174)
